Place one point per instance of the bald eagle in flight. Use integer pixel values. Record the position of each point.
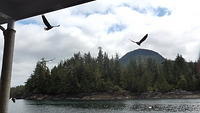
(48, 25)
(13, 99)
(142, 40)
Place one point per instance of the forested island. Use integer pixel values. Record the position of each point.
(87, 77)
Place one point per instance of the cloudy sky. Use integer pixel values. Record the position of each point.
(173, 27)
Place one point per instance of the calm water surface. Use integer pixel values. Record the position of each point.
(122, 106)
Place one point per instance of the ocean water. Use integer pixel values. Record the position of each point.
(107, 106)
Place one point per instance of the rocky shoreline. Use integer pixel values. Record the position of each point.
(117, 96)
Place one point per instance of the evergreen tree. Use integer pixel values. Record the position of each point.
(85, 74)
(167, 72)
(39, 80)
(180, 68)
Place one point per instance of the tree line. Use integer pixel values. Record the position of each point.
(86, 74)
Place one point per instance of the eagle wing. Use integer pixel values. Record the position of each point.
(132, 41)
(143, 39)
(46, 21)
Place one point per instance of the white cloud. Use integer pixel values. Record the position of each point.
(85, 27)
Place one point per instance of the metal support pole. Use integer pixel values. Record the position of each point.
(9, 38)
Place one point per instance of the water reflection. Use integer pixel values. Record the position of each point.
(83, 104)
(165, 108)
(126, 106)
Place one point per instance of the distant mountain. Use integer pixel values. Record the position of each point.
(141, 54)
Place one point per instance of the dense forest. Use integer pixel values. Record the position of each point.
(86, 74)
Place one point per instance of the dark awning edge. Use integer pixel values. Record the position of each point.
(30, 8)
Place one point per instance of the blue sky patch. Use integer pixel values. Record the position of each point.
(116, 28)
(86, 13)
(28, 21)
(160, 11)
(135, 8)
